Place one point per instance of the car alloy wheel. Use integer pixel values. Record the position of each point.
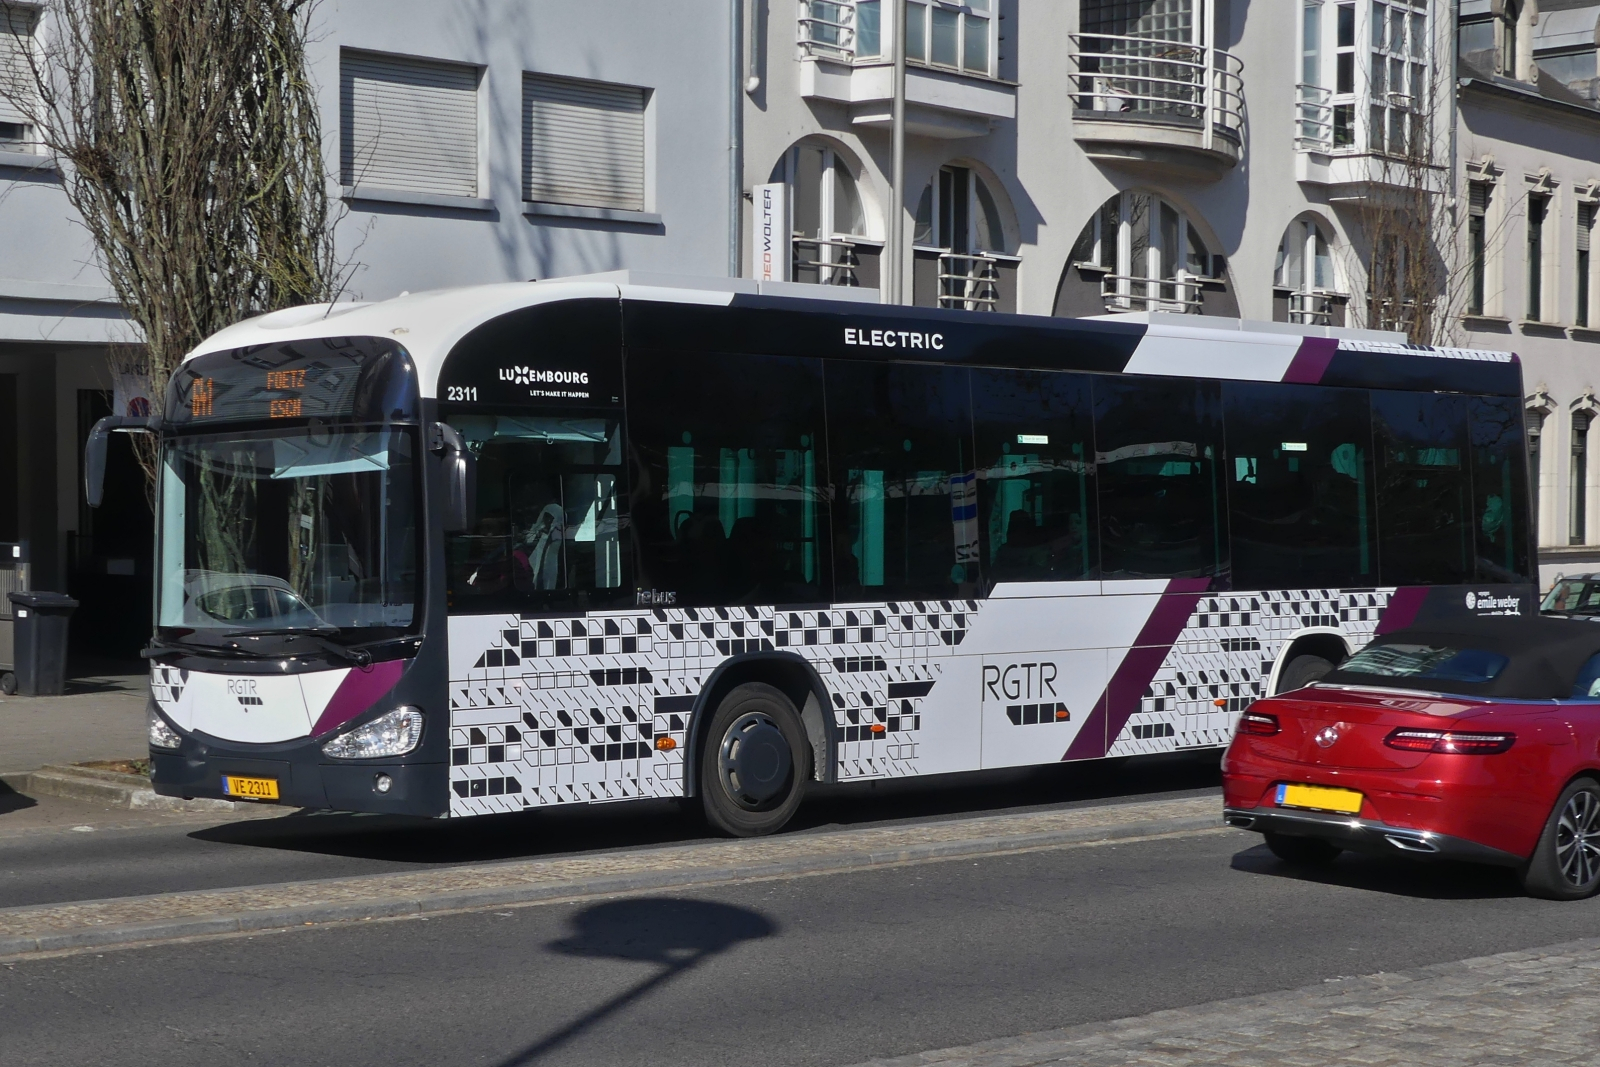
(1578, 839)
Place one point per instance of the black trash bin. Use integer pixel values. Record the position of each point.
(40, 642)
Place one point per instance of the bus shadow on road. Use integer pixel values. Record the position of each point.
(672, 935)
(1436, 880)
(574, 829)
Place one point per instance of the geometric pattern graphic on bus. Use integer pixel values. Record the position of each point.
(1226, 652)
(551, 710)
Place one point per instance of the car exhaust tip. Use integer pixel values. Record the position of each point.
(1411, 844)
(1240, 822)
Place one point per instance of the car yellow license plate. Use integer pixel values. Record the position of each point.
(250, 788)
(1320, 797)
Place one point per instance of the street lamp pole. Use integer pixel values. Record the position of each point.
(893, 285)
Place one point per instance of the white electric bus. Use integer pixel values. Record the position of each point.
(579, 541)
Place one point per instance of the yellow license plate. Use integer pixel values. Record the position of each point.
(250, 788)
(1320, 797)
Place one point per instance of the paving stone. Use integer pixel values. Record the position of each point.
(1535, 1008)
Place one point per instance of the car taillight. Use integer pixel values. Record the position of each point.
(1258, 723)
(1450, 741)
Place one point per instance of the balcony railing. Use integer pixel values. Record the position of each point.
(835, 260)
(1142, 78)
(1314, 308)
(1128, 292)
(969, 281)
(1313, 121)
(828, 29)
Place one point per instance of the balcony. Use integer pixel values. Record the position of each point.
(1157, 105)
(965, 281)
(841, 63)
(847, 261)
(1328, 154)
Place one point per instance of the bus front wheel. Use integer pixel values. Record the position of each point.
(755, 762)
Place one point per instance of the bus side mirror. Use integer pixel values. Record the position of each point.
(459, 468)
(94, 452)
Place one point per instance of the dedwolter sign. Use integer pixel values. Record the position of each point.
(769, 235)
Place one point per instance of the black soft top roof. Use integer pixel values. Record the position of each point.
(1545, 655)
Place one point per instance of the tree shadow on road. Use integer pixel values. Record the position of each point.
(673, 935)
(11, 800)
(1424, 879)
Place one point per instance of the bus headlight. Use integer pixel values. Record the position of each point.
(391, 734)
(162, 735)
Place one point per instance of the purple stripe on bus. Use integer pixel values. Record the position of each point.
(1121, 697)
(1311, 361)
(1402, 609)
(358, 692)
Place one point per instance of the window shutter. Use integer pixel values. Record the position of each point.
(1478, 198)
(16, 36)
(1585, 224)
(1535, 423)
(582, 142)
(408, 124)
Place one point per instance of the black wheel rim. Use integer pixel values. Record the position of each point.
(1578, 840)
(754, 762)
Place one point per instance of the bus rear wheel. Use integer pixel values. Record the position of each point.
(755, 762)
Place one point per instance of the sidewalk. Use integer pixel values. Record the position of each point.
(100, 718)
(1530, 1009)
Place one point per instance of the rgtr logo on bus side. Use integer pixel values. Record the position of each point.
(1031, 685)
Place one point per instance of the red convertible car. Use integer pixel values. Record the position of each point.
(1473, 740)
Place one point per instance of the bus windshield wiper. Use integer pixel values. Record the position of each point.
(317, 635)
(152, 650)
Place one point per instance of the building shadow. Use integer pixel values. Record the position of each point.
(1397, 876)
(673, 935)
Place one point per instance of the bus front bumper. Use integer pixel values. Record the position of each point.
(305, 777)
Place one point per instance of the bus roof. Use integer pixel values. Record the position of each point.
(430, 324)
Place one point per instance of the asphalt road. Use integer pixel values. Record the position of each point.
(43, 868)
(817, 970)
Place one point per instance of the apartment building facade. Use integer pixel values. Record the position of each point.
(1062, 157)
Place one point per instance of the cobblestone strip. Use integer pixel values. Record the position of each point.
(1536, 1008)
(170, 915)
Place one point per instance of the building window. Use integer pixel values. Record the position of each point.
(1535, 433)
(1305, 270)
(828, 218)
(1153, 255)
(1578, 498)
(1344, 76)
(408, 124)
(1477, 245)
(583, 143)
(1538, 209)
(1397, 76)
(960, 37)
(1585, 278)
(958, 219)
(17, 26)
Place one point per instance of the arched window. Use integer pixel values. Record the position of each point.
(1152, 256)
(1304, 289)
(960, 229)
(828, 218)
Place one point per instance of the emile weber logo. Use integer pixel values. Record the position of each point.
(1489, 604)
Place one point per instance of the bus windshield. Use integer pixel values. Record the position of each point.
(294, 530)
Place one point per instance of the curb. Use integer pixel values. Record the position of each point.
(471, 899)
(105, 787)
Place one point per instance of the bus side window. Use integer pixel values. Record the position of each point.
(1499, 488)
(907, 516)
(1424, 488)
(1299, 468)
(1036, 488)
(727, 503)
(1163, 513)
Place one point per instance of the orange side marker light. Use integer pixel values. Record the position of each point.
(1220, 702)
(665, 744)
(877, 728)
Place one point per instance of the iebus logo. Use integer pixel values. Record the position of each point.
(534, 376)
